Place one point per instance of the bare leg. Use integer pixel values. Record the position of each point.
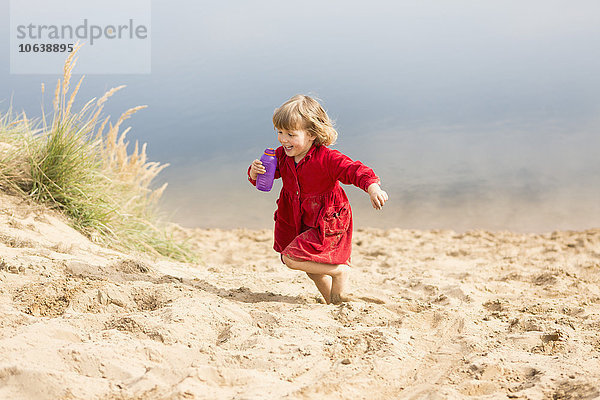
(323, 283)
(339, 275)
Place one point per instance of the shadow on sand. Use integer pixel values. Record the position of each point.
(242, 294)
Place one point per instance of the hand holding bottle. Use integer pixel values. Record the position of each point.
(263, 170)
(256, 169)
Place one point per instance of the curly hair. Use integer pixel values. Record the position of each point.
(304, 112)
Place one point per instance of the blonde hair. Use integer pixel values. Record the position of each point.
(304, 112)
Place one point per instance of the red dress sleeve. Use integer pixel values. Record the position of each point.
(343, 169)
(252, 181)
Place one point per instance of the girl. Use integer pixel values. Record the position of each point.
(313, 221)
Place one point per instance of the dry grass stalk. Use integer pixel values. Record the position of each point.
(72, 99)
(89, 175)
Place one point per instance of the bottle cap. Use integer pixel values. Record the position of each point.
(269, 151)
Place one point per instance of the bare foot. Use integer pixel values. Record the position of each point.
(339, 283)
(340, 299)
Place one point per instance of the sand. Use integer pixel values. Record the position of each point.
(434, 315)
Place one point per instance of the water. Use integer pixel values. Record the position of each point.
(474, 115)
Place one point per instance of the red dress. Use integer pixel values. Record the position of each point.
(313, 220)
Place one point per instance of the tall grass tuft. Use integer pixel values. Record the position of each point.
(78, 162)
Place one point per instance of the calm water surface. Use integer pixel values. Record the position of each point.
(474, 115)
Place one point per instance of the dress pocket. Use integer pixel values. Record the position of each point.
(336, 220)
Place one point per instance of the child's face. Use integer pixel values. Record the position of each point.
(296, 143)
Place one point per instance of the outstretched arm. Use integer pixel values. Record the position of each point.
(347, 171)
(342, 168)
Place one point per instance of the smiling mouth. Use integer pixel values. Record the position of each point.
(288, 147)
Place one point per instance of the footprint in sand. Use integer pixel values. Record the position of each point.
(575, 390)
(370, 299)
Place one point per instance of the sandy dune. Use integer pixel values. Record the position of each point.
(435, 315)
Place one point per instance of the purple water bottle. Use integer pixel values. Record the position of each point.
(264, 181)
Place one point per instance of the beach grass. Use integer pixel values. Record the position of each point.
(79, 162)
